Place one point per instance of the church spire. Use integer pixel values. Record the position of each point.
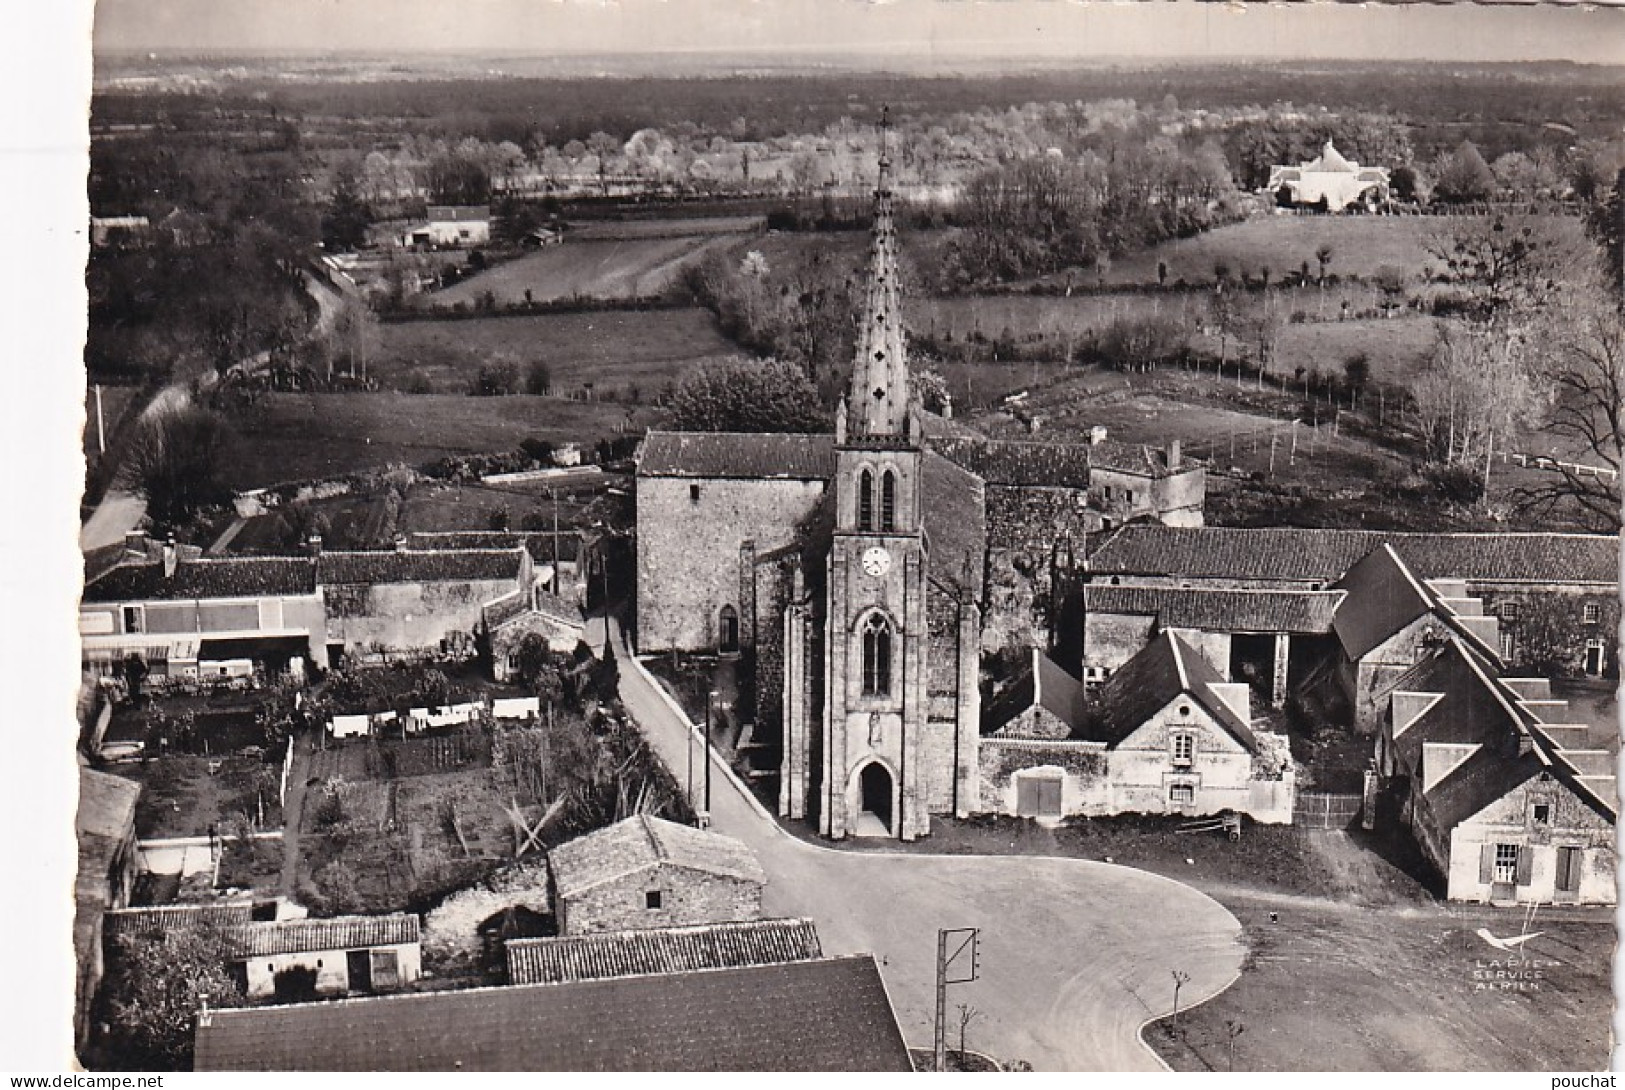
(878, 401)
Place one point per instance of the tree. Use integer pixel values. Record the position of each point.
(747, 396)
(155, 987)
(1323, 256)
(1357, 372)
(344, 226)
(539, 669)
(602, 145)
(539, 378)
(1462, 176)
(1585, 369)
(177, 464)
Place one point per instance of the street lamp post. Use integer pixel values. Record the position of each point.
(709, 697)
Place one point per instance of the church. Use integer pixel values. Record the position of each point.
(874, 583)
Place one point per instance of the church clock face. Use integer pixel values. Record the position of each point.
(876, 561)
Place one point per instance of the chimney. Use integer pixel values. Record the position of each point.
(1173, 454)
(313, 544)
(171, 558)
(947, 407)
(400, 543)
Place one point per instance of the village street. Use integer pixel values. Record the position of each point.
(1075, 956)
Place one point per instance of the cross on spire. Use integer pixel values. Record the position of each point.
(878, 400)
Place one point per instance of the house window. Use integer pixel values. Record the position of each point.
(876, 656)
(1129, 494)
(1184, 747)
(1592, 613)
(1543, 813)
(1506, 863)
(1509, 611)
(132, 619)
(1509, 645)
(888, 501)
(651, 899)
(728, 630)
(866, 500)
(693, 493)
(1182, 794)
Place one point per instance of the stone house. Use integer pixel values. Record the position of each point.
(506, 622)
(1506, 800)
(1555, 596)
(864, 578)
(1328, 181)
(647, 872)
(1166, 734)
(191, 616)
(414, 600)
(347, 954)
(450, 225)
(109, 861)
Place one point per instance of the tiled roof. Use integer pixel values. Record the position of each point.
(1045, 683)
(234, 577)
(1324, 555)
(539, 543)
(258, 940)
(163, 919)
(737, 454)
(106, 804)
(662, 950)
(642, 842)
(1159, 673)
(104, 824)
(955, 520)
(417, 566)
(830, 1015)
(1007, 462)
(1305, 611)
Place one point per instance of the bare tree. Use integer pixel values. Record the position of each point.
(967, 1015)
(1232, 1030)
(1181, 978)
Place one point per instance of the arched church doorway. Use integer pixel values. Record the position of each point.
(875, 800)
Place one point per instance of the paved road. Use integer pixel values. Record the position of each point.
(1076, 955)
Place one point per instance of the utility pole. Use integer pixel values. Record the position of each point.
(101, 435)
(709, 697)
(966, 937)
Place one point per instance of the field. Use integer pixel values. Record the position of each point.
(624, 268)
(295, 437)
(613, 349)
(1360, 246)
(192, 796)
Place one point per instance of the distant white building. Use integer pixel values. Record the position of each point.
(1329, 181)
(451, 225)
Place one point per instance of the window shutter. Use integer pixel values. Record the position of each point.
(1526, 863)
(1486, 864)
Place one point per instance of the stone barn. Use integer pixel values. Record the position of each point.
(647, 872)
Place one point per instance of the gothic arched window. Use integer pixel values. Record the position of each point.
(866, 500)
(888, 501)
(876, 656)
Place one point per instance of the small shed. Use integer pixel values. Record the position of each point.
(346, 953)
(648, 872)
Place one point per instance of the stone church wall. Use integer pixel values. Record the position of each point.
(688, 550)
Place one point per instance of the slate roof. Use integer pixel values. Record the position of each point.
(418, 566)
(830, 1015)
(1383, 597)
(1159, 673)
(954, 513)
(1324, 555)
(233, 577)
(1045, 683)
(641, 842)
(661, 950)
(165, 919)
(1217, 610)
(1479, 708)
(743, 455)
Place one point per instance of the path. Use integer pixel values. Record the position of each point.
(1076, 955)
(293, 813)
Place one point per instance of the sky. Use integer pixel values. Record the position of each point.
(946, 30)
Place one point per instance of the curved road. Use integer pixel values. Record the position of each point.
(1076, 955)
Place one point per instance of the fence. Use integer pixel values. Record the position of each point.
(1326, 811)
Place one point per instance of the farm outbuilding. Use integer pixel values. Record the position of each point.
(345, 953)
(648, 872)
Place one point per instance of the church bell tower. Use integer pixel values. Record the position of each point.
(874, 707)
